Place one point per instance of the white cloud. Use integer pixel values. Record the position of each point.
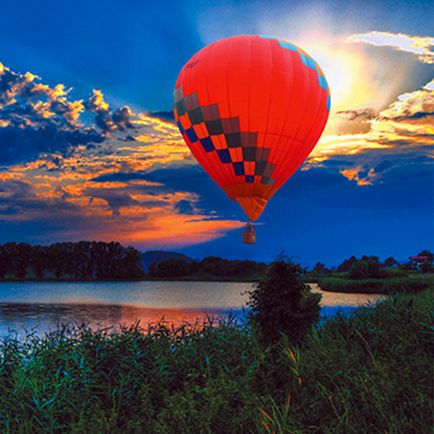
(421, 46)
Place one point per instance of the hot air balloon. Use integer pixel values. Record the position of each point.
(251, 109)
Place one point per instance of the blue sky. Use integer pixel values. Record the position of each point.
(91, 163)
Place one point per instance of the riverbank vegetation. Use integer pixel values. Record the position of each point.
(393, 285)
(369, 275)
(209, 268)
(366, 372)
(84, 260)
(94, 261)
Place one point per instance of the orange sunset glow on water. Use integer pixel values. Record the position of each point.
(216, 216)
(112, 305)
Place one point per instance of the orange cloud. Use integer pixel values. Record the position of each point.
(97, 102)
(355, 175)
(169, 230)
(71, 185)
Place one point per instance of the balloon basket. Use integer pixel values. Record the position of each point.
(249, 234)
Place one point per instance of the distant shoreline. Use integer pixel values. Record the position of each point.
(147, 279)
(332, 284)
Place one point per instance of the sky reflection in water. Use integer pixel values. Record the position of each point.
(43, 307)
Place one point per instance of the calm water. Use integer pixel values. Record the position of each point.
(43, 306)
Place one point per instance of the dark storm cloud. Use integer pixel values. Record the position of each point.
(120, 176)
(414, 116)
(185, 207)
(115, 199)
(167, 116)
(18, 198)
(122, 118)
(18, 144)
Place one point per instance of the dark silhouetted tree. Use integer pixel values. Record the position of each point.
(367, 267)
(390, 262)
(82, 260)
(428, 254)
(347, 264)
(282, 305)
(320, 268)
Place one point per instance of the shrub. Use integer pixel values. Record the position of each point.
(320, 268)
(381, 286)
(427, 267)
(282, 305)
(368, 266)
(390, 262)
(347, 264)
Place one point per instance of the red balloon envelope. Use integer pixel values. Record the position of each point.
(251, 109)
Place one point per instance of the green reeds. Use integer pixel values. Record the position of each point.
(365, 372)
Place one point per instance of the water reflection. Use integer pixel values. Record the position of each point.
(19, 318)
(43, 307)
(344, 298)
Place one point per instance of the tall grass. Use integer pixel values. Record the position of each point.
(367, 372)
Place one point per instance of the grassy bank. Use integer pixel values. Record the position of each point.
(392, 285)
(367, 372)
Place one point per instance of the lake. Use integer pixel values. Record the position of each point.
(43, 306)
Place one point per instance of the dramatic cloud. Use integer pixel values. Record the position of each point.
(60, 170)
(362, 115)
(105, 119)
(421, 46)
(413, 107)
(25, 102)
(83, 169)
(354, 121)
(399, 135)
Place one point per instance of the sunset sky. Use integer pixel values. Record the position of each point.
(88, 149)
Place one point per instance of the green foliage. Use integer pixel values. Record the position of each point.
(368, 266)
(210, 267)
(390, 262)
(81, 260)
(393, 285)
(427, 267)
(209, 379)
(320, 268)
(428, 254)
(175, 267)
(347, 380)
(347, 264)
(371, 266)
(281, 305)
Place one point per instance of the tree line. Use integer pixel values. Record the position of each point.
(80, 260)
(88, 260)
(210, 266)
(373, 267)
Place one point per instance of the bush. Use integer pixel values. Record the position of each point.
(427, 267)
(345, 379)
(368, 266)
(174, 267)
(320, 268)
(347, 264)
(392, 285)
(282, 305)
